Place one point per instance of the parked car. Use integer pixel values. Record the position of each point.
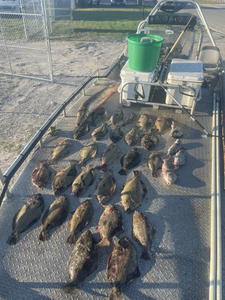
(118, 2)
(10, 6)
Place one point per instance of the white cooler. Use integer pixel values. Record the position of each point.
(188, 73)
(129, 75)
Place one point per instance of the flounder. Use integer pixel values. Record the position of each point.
(144, 121)
(41, 175)
(130, 160)
(154, 162)
(150, 139)
(105, 187)
(60, 151)
(100, 132)
(83, 181)
(87, 153)
(116, 118)
(133, 136)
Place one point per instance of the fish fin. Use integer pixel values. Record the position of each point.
(146, 255)
(104, 242)
(70, 288)
(12, 240)
(115, 294)
(43, 236)
(102, 168)
(71, 239)
(82, 164)
(122, 172)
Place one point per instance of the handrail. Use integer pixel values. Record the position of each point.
(37, 137)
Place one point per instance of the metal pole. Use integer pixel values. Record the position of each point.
(6, 49)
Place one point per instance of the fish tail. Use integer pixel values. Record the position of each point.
(104, 242)
(146, 255)
(12, 240)
(71, 239)
(70, 288)
(102, 168)
(122, 172)
(43, 236)
(115, 294)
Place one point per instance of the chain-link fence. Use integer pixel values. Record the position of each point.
(24, 36)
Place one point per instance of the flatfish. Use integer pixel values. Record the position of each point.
(168, 171)
(41, 175)
(154, 162)
(150, 140)
(174, 148)
(83, 181)
(129, 119)
(162, 124)
(116, 134)
(87, 153)
(179, 158)
(61, 150)
(81, 131)
(175, 131)
(111, 155)
(100, 132)
(133, 136)
(130, 160)
(79, 220)
(116, 118)
(143, 122)
(99, 115)
(28, 215)
(105, 187)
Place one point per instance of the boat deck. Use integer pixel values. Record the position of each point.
(180, 213)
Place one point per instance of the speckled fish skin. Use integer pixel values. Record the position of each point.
(28, 215)
(87, 153)
(83, 181)
(133, 136)
(111, 155)
(94, 102)
(41, 175)
(64, 178)
(133, 192)
(61, 151)
(154, 163)
(129, 119)
(143, 233)
(110, 224)
(54, 216)
(99, 115)
(83, 261)
(179, 158)
(116, 134)
(150, 140)
(100, 132)
(122, 267)
(168, 171)
(116, 118)
(81, 131)
(105, 188)
(162, 124)
(174, 148)
(130, 160)
(143, 122)
(175, 132)
(79, 220)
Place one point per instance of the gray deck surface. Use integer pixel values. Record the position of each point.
(180, 213)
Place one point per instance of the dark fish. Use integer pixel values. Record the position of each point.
(54, 216)
(162, 124)
(175, 132)
(122, 267)
(143, 233)
(83, 261)
(174, 148)
(29, 214)
(143, 122)
(99, 115)
(100, 132)
(129, 119)
(133, 136)
(150, 140)
(79, 220)
(116, 134)
(87, 153)
(116, 118)
(41, 175)
(83, 181)
(105, 188)
(130, 160)
(81, 131)
(64, 178)
(111, 155)
(96, 100)
(154, 162)
(110, 224)
(60, 151)
(134, 191)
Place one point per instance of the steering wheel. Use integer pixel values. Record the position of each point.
(172, 6)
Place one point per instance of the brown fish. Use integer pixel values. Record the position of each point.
(143, 122)
(150, 140)
(100, 132)
(129, 119)
(87, 153)
(111, 155)
(99, 115)
(154, 162)
(130, 160)
(83, 181)
(61, 150)
(134, 191)
(105, 188)
(96, 100)
(116, 118)
(122, 267)
(143, 233)
(79, 220)
(64, 178)
(81, 131)
(175, 132)
(29, 214)
(162, 124)
(133, 136)
(54, 216)
(116, 134)
(41, 175)
(83, 261)
(110, 224)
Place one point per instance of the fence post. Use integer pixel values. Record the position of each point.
(6, 49)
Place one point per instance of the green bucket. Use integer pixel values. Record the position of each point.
(143, 51)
